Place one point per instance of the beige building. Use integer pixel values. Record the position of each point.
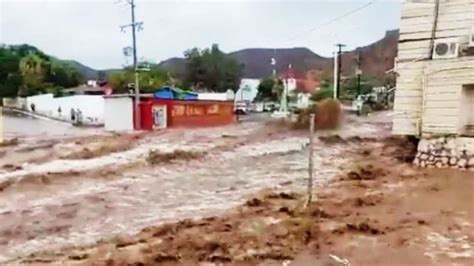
(435, 67)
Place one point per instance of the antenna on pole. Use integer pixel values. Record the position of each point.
(136, 26)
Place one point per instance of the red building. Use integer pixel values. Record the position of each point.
(163, 113)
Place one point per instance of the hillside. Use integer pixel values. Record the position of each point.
(175, 65)
(376, 58)
(87, 73)
(257, 61)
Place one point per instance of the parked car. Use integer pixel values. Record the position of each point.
(269, 107)
(241, 108)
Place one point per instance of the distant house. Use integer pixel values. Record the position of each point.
(247, 91)
(307, 82)
(310, 83)
(435, 66)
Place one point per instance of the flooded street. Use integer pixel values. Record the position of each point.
(59, 202)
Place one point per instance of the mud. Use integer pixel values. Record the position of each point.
(365, 172)
(212, 210)
(390, 216)
(156, 157)
(9, 142)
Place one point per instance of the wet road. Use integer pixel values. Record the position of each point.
(21, 126)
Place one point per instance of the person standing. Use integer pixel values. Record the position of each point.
(79, 117)
(73, 115)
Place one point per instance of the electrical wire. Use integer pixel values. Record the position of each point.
(333, 20)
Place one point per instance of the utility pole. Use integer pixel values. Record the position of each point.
(135, 26)
(358, 71)
(334, 85)
(339, 66)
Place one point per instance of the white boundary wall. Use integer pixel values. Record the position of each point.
(91, 106)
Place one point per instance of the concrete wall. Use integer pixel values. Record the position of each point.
(217, 96)
(91, 106)
(17, 103)
(118, 113)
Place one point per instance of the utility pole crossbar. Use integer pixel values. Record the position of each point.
(135, 26)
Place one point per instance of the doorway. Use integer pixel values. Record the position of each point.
(467, 110)
(159, 116)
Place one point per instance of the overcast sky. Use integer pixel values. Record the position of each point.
(88, 30)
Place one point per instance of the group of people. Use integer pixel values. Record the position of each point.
(76, 116)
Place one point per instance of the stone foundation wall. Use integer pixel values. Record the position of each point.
(443, 152)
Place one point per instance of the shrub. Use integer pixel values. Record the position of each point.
(328, 115)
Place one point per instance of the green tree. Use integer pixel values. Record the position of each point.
(322, 94)
(10, 78)
(326, 90)
(63, 75)
(34, 70)
(212, 69)
(123, 80)
(349, 87)
(25, 70)
(266, 91)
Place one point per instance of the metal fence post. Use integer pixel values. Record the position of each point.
(310, 161)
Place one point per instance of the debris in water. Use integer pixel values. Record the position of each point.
(157, 157)
(9, 142)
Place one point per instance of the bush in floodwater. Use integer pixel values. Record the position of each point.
(328, 115)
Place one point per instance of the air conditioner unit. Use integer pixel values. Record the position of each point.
(471, 37)
(445, 49)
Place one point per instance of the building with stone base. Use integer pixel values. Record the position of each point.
(434, 99)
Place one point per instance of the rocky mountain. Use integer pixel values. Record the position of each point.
(376, 58)
(257, 61)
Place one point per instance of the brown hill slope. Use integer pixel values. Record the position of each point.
(257, 61)
(376, 58)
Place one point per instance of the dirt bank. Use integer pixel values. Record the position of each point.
(380, 211)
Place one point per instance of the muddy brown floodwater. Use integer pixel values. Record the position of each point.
(70, 201)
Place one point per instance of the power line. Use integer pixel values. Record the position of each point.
(334, 20)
